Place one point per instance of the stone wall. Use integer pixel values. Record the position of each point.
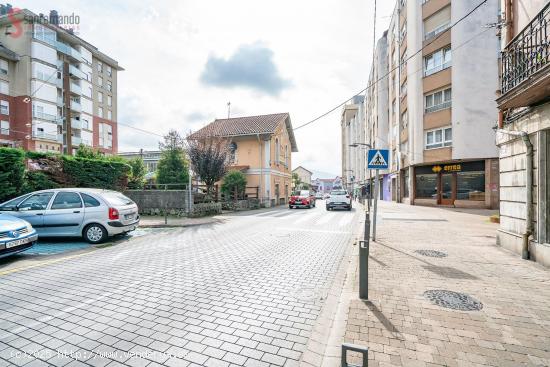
(159, 201)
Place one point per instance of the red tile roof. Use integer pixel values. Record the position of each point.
(248, 125)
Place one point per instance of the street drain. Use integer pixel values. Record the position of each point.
(454, 300)
(431, 253)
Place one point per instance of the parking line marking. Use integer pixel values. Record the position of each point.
(53, 261)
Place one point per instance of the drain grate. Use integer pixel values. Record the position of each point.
(454, 300)
(431, 253)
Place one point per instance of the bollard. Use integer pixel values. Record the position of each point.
(354, 348)
(364, 261)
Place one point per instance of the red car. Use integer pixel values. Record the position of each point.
(302, 198)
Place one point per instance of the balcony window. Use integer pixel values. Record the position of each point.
(99, 67)
(109, 115)
(109, 101)
(4, 67)
(404, 120)
(437, 23)
(100, 112)
(109, 70)
(100, 97)
(109, 86)
(4, 107)
(439, 138)
(439, 60)
(4, 87)
(4, 127)
(438, 100)
(100, 81)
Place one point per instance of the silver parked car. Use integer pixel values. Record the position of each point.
(93, 214)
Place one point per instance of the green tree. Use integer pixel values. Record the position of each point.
(296, 181)
(12, 172)
(137, 178)
(172, 167)
(84, 151)
(209, 160)
(234, 182)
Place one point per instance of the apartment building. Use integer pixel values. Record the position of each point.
(523, 137)
(56, 90)
(440, 107)
(352, 125)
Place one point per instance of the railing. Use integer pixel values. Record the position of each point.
(438, 68)
(44, 135)
(76, 124)
(442, 28)
(165, 187)
(73, 70)
(46, 116)
(438, 107)
(75, 106)
(527, 53)
(60, 101)
(75, 88)
(68, 50)
(76, 140)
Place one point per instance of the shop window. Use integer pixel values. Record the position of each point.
(471, 186)
(406, 184)
(426, 186)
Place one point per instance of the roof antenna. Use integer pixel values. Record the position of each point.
(228, 109)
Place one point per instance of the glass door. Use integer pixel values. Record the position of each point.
(447, 189)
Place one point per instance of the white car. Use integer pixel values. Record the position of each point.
(319, 195)
(338, 199)
(92, 214)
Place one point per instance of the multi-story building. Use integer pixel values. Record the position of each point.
(325, 185)
(352, 126)
(524, 129)
(441, 114)
(56, 90)
(261, 147)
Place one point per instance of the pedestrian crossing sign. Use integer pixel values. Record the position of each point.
(378, 158)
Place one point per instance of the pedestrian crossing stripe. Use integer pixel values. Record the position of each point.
(378, 160)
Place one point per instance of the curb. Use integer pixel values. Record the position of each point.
(174, 225)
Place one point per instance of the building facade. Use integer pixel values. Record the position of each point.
(352, 126)
(325, 185)
(56, 90)
(303, 174)
(441, 82)
(262, 148)
(523, 137)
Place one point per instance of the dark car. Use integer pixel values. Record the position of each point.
(302, 198)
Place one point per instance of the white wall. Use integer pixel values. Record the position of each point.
(43, 52)
(44, 91)
(87, 105)
(474, 81)
(86, 55)
(87, 137)
(44, 72)
(49, 108)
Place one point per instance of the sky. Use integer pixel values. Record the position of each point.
(184, 60)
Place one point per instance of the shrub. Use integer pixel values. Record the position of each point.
(234, 182)
(97, 173)
(12, 172)
(137, 178)
(36, 180)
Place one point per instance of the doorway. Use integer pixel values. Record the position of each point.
(447, 188)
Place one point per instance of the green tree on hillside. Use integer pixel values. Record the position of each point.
(172, 167)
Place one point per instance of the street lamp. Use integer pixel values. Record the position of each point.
(355, 145)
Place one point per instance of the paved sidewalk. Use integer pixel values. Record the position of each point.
(158, 221)
(402, 327)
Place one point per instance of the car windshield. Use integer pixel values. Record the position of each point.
(116, 198)
(338, 192)
(12, 204)
(304, 193)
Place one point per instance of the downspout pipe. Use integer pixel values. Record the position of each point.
(529, 155)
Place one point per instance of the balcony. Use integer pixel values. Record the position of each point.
(76, 124)
(46, 116)
(437, 68)
(525, 76)
(75, 106)
(75, 89)
(76, 140)
(76, 72)
(45, 136)
(69, 51)
(438, 107)
(438, 30)
(60, 101)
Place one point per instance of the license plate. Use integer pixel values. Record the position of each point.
(18, 242)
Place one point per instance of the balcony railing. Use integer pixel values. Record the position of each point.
(74, 71)
(435, 32)
(45, 136)
(438, 107)
(46, 116)
(527, 53)
(437, 68)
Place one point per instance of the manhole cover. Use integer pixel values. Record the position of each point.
(431, 253)
(454, 300)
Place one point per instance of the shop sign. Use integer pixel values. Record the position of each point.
(447, 168)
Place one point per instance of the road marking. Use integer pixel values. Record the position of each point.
(44, 263)
(312, 230)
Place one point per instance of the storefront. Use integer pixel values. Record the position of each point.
(460, 184)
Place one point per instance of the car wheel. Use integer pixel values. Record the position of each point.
(349, 208)
(95, 233)
(290, 207)
(328, 209)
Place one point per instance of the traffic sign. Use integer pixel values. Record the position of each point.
(378, 158)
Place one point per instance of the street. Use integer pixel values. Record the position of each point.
(243, 292)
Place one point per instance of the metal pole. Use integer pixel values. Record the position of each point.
(189, 195)
(364, 260)
(376, 194)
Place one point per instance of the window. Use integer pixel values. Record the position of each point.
(438, 100)
(66, 200)
(89, 201)
(437, 23)
(277, 151)
(4, 87)
(426, 186)
(471, 185)
(109, 101)
(4, 67)
(439, 138)
(99, 67)
(85, 124)
(100, 97)
(4, 127)
(404, 120)
(100, 111)
(36, 202)
(439, 60)
(109, 114)
(100, 81)
(109, 70)
(109, 86)
(4, 107)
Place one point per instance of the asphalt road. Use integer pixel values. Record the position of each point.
(245, 291)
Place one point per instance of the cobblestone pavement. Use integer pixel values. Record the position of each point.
(242, 292)
(402, 327)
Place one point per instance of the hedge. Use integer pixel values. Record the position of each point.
(47, 171)
(12, 172)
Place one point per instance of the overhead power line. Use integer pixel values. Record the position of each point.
(393, 69)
